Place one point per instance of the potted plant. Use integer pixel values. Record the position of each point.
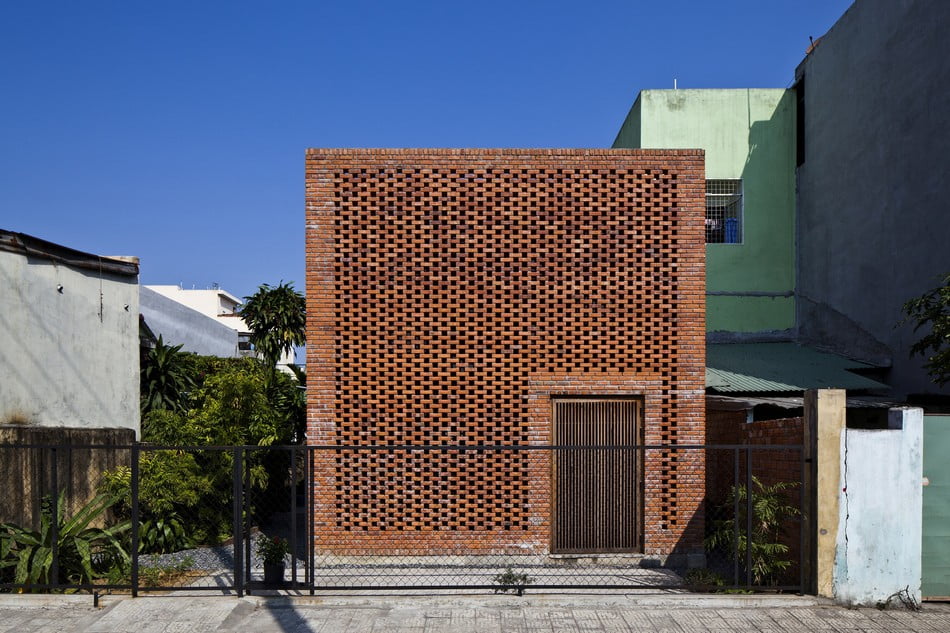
(272, 551)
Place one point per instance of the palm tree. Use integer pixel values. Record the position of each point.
(276, 316)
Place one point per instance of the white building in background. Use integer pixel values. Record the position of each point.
(69, 338)
(179, 324)
(217, 306)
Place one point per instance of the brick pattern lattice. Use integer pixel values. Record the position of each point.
(452, 293)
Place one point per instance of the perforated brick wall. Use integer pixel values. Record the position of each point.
(452, 293)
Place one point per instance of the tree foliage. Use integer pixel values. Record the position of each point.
(231, 401)
(176, 488)
(184, 495)
(194, 401)
(933, 309)
(277, 318)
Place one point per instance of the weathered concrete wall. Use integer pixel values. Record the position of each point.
(69, 345)
(873, 227)
(179, 324)
(747, 134)
(879, 535)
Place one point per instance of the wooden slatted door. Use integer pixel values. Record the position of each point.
(597, 491)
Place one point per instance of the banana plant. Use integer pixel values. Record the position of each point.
(84, 553)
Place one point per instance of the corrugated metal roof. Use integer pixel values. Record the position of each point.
(744, 402)
(755, 367)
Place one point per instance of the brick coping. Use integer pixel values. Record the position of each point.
(497, 151)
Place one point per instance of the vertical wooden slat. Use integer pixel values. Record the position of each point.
(596, 505)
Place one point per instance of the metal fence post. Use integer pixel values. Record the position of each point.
(293, 516)
(735, 517)
(247, 503)
(311, 550)
(238, 527)
(748, 516)
(53, 579)
(802, 523)
(135, 519)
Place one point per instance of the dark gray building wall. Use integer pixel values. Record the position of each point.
(179, 324)
(874, 189)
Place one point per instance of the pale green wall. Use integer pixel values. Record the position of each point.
(748, 134)
(629, 134)
(749, 314)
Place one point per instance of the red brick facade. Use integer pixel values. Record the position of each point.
(452, 293)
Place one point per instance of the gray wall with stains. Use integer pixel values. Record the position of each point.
(874, 188)
(69, 345)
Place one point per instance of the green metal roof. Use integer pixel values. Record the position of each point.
(745, 367)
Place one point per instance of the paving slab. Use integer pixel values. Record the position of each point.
(457, 614)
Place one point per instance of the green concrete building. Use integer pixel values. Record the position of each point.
(749, 139)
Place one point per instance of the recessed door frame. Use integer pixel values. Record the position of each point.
(597, 494)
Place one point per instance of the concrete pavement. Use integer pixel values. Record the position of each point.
(458, 614)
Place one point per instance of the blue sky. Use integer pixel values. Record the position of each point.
(176, 131)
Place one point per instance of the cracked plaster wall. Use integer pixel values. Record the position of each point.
(879, 530)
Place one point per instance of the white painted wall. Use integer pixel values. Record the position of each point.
(61, 364)
(208, 302)
(879, 531)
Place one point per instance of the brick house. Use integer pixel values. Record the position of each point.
(505, 297)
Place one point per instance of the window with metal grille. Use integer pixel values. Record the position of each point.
(724, 211)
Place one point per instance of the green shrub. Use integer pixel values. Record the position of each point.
(770, 512)
(153, 575)
(179, 504)
(510, 580)
(185, 496)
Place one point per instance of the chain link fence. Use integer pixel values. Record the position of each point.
(141, 518)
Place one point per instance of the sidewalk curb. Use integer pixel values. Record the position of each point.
(566, 601)
(37, 600)
(415, 600)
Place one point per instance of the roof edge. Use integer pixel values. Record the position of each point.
(31, 246)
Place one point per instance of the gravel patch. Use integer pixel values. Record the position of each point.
(216, 558)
